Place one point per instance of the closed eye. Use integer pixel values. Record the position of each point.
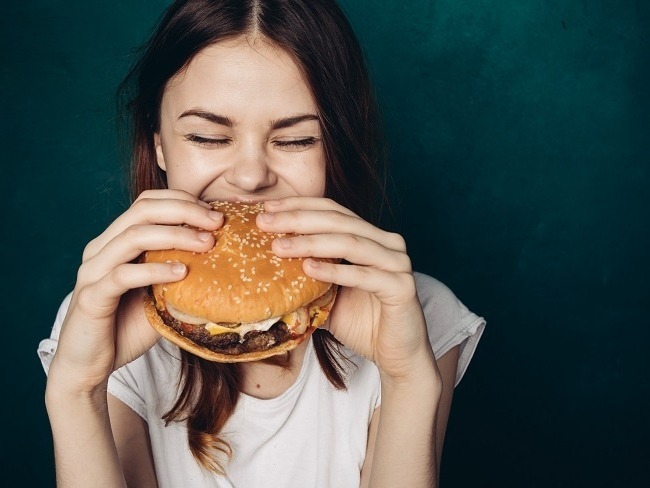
(297, 143)
(206, 141)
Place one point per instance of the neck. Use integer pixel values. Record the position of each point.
(265, 381)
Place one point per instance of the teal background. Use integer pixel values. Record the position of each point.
(519, 133)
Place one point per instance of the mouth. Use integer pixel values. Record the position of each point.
(235, 198)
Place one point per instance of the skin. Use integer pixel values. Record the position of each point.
(239, 124)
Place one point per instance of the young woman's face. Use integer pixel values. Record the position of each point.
(240, 123)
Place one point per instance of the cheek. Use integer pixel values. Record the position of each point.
(187, 169)
(309, 178)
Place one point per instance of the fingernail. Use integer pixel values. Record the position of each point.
(266, 218)
(312, 263)
(178, 268)
(214, 215)
(204, 236)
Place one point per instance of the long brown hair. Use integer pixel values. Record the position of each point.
(319, 38)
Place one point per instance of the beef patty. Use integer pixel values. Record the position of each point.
(232, 342)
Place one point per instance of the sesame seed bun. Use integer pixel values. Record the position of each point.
(240, 281)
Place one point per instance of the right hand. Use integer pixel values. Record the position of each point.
(99, 333)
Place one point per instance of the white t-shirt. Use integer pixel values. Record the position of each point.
(310, 436)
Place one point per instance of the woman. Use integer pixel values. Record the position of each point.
(260, 101)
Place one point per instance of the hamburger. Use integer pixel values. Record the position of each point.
(239, 301)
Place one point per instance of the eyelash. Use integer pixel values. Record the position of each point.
(299, 143)
(206, 141)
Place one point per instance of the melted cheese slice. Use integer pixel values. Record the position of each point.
(297, 321)
(241, 329)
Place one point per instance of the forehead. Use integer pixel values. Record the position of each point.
(244, 71)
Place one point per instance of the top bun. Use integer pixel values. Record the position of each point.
(239, 279)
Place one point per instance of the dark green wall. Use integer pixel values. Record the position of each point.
(519, 132)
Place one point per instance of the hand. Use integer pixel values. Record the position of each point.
(377, 312)
(105, 326)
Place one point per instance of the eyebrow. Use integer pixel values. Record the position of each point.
(228, 122)
(212, 117)
(291, 121)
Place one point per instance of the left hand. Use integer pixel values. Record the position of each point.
(377, 313)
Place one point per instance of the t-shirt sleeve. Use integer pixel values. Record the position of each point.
(449, 322)
(47, 347)
(122, 384)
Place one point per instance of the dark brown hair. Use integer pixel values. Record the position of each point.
(320, 40)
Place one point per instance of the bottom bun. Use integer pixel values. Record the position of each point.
(185, 343)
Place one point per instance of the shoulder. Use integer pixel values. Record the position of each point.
(430, 286)
(440, 304)
(449, 322)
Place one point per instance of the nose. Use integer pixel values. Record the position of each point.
(250, 171)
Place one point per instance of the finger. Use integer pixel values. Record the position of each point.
(327, 222)
(389, 287)
(128, 245)
(306, 203)
(350, 247)
(101, 298)
(166, 193)
(159, 210)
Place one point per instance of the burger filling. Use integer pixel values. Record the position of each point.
(238, 338)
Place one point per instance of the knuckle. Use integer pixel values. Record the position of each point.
(364, 274)
(408, 284)
(329, 202)
(405, 263)
(89, 250)
(84, 299)
(180, 232)
(353, 240)
(145, 195)
(336, 217)
(132, 232)
(397, 241)
(82, 272)
(142, 204)
(119, 275)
